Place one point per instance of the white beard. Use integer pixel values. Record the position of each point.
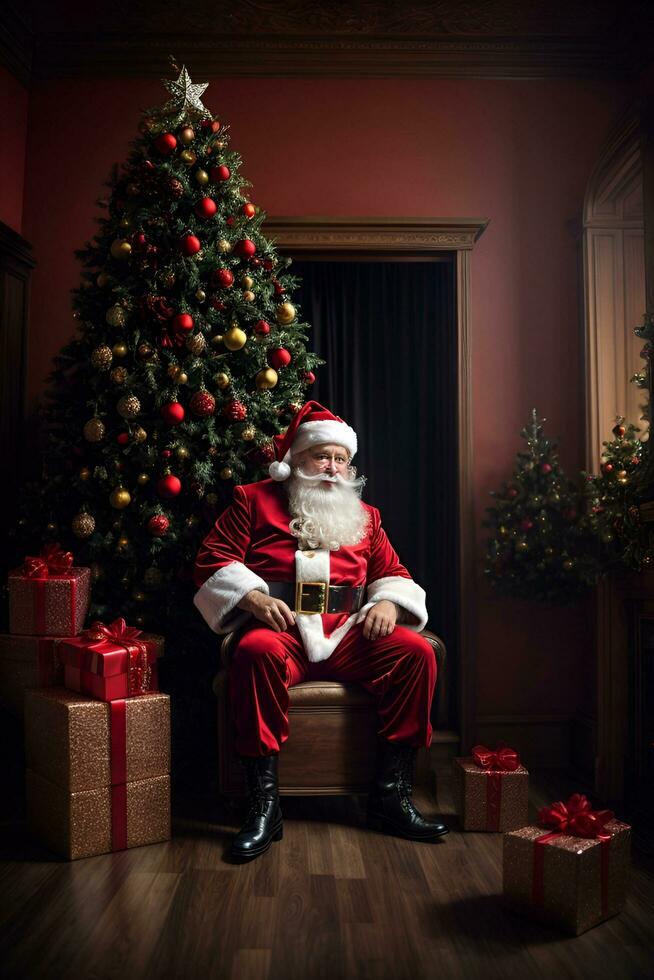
(326, 516)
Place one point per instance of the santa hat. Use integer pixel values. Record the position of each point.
(312, 426)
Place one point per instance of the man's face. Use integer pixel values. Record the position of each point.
(327, 458)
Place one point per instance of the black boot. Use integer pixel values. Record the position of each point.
(263, 823)
(390, 807)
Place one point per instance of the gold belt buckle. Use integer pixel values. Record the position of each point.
(311, 597)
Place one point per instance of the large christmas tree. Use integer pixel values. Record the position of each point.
(189, 357)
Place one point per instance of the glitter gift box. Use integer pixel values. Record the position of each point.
(98, 772)
(48, 596)
(569, 881)
(491, 790)
(109, 662)
(26, 661)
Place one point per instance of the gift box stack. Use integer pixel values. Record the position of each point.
(48, 601)
(98, 751)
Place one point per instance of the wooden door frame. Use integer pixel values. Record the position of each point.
(414, 239)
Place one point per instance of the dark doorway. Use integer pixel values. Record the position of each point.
(387, 330)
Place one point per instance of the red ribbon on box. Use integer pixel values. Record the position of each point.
(118, 740)
(494, 762)
(53, 562)
(577, 818)
(118, 632)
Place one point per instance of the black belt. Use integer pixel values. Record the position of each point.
(318, 597)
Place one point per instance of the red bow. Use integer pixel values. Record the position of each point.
(51, 561)
(503, 757)
(118, 631)
(575, 817)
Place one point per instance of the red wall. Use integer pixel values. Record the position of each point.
(517, 152)
(13, 133)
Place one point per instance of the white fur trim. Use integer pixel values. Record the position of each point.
(404, 592)
(218, 597)
(327, 430)
(280, 471)
(313, 566)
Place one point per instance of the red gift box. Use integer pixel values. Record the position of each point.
(110, 662)
(48, 596)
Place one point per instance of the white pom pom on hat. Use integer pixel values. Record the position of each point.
(313, 425)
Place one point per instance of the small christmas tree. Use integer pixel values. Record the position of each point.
(541, 548)
(189, 357)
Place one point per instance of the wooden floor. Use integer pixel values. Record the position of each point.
(331, 900)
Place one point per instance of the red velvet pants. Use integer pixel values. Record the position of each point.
(399, 670)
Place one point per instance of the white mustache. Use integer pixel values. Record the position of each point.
(325, 478)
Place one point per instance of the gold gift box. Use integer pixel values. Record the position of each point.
(68, 754)
(471, 796)
(26, 661)
(572, 876)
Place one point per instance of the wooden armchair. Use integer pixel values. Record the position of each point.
(332, 739)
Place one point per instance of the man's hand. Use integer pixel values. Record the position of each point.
(272, 612)
(380, 620)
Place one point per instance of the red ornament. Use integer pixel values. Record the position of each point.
(279, 358)
(245, 248)
(210, 125)
(165, 143)
(218, 304)
(169, 486)
(166, 453)
(512, 492)
(249, 210)
(223, 278)
(158, 525)
(206, 208)
(202, 404)
(220, 173)
(526, 524)
(608, 467)
(309, 377)
(546, 468)
(262, 327)
(172, 413)
(235, 411)
(190, 244)
(279, 289)
(230, 221)
(268, 265)
(265, 453)
(183, 322)
(122, 438)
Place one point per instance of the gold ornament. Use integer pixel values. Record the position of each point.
(101, 357)
(226, 473)
(622, 477)
(128, 406)
(121, 544)
(119, 349)
(187, 135)
(103, 280)
(120, 498)
(119, 375)
(84, 473)
(247, 282)
(94, 430)
(83, 525)
(182, 378)
(248, 434)
(120, 249)
(224, 245)
(174, 371)
(116, 316)
(139, 434)
(266, 379)
(202, 177)
(222, 380)
(285, 313)
(196, 343)
(217, 339)
(146, 352)
(200, 295)
(235, 338)
(51, 527)
(142, 479)
(182, 452)
(249, 296)
(188, 157)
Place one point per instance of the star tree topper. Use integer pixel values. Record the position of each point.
(185, 97)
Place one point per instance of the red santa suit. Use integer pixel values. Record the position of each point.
(250, 545)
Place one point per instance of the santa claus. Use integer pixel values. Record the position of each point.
(304, 570)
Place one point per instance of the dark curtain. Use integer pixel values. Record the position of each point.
(387, 331)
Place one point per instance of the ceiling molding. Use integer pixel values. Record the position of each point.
(415, 235)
